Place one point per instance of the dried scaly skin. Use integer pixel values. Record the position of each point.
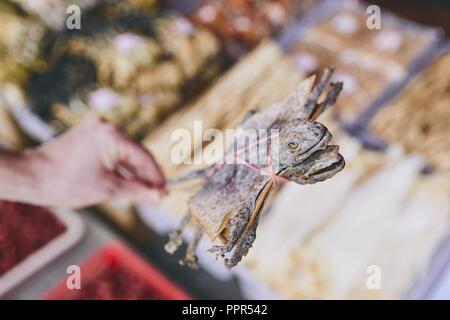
(229, 203)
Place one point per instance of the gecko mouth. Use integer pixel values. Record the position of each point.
(335, 166)
(320, 165)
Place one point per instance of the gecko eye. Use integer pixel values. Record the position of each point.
(293, 145)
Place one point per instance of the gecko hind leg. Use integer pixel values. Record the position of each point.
(176, 237)
(237, 225)
(191, 259)
(243, 245)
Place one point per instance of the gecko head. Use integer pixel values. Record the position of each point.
(299, 139)
(319, 166)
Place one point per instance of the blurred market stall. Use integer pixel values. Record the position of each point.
(151, 67)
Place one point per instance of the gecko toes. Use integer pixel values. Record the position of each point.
(220, 250)
(174, 243)
(190, 260)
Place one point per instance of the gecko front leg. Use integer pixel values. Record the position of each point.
(192, 175)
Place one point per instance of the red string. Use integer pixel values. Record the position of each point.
(264, 171)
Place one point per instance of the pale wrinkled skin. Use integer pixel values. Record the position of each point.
(232, 197)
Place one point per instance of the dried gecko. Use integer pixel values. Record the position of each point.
(229, 203)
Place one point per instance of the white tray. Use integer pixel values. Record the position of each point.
(37, 260)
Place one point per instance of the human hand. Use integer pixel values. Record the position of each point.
(92, 163)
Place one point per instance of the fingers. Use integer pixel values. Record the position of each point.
(132, 167)
(91, 122)
(134, 191)
(140, 163)
(131, 157)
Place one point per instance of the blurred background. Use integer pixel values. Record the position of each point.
(153, 66)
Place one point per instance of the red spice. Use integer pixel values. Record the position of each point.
(23, 230)
(115, 272)
(116, 282)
